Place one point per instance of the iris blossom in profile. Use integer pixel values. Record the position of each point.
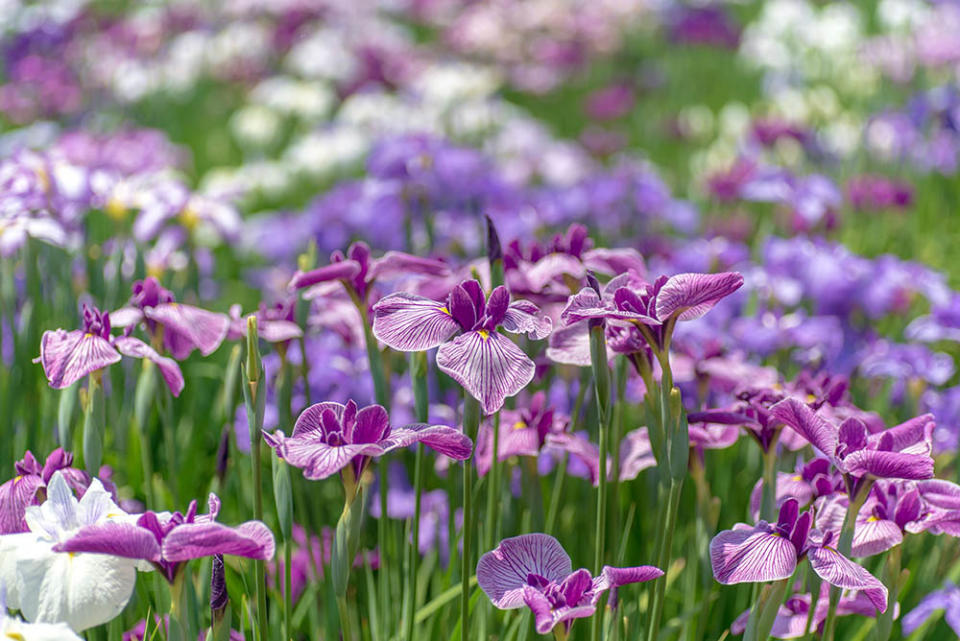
(768, 552)
(328, 437)
(488, 365)
(68, 356)
(534, 570)
(181, 328)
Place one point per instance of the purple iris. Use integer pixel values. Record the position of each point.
(946, 600)
(169, 540)
(534, 570)
(28, 487)
(329, 436)
(940, 508)
(523, 432)
(182, 328)
(770, 552)
(69, 356)
(486, 363)
(275, 324)
(892, 508)
(358, 270)
(901, 452)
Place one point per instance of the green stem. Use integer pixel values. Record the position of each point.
(844, 546)
(768, 501)
(93, 424)
(764, 611)
(663, 557)
(344, 612)
(601, 378)
(421, 402)
(891, 578)
(471, 423)
(493, 491)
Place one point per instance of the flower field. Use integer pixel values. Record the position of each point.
(386, 320)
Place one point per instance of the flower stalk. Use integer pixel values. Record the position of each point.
(601, 378)
(93, 424)
(421, 402)
(471, 425)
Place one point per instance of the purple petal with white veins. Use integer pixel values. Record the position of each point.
(252, 540)
(873, 536)
(395, 263)
(488, 365)
(553, 266)
(797, 415)
(342, 270)
(319, 460)
(15, 495)
(186, 328)
(636, 454)
(117, 538)
(310, 421)
(614, 261)
(441, 438)
(69, 356)
(126, 317)
(169, 369)
(911, 437)
(751, 555)
(525, 317)
(889, 465)
(409, 323)
(942, 494)
(502, 573)
(691, 296)
(838, 570)
(611, 577)
(278, 331)
(570, 345)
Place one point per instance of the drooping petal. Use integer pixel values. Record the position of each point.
(914, 436)
(873, 536)
(186, 328)
(614, 261)
(553, 266)
(409, 323)
(169, 369)
(942, 494)
(636, 454)
(889, 465)
(319, 460)
(690, 296)
(69, 356)
(395, 263)
(611, 577)
(502, 572)
(117, 538)
(797, 415)
(751, 555)
(947, 600)
(838, 570)
(525, 317)
(488, 365)
(372, 423)
(445, 440)
(252, 540)
(570, 345)
(81, 590)
(540, 606)
(15, 495)
(585, 451)
(278, 331)
(342, 270)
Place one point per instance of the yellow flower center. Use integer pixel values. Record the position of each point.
(189, 217)
(116, 209)
(519, 425)
(446, 311)
(484, 334)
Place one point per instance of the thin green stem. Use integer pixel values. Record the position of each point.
(421, 401)
(891, 578)
(844, 546)
(471, 423)
(768, 501)
(601, 378)
(344, 613)
(663, 558)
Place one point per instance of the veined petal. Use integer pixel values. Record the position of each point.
(552, 266)
(252, 540)
(502, 572)
(117, 538)
(636, 454)
(889, 465)
(15, 495)
(69, 356)
(446, 440)
(410, 323)
(186, 328)
(914, 436)
(611, 577)
(615, 261)
(319, 460)
(488, 365)
(873, 536)
(81, 590)
(310, 422)
(395, 263)
(942, 494)
(690, 296)
(169, 369)
(838, 570)
(542, 610)
(570, 345)
(523, 317)
(344, 269)
(751, 555)
(797, 415)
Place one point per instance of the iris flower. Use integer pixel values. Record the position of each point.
(534, 570)
(69, 356)
(487, 364)
(167, 540)
(946, 600)
(329, 436)
(81, 590)
(769, 552)
(182, 328)
(29, 487)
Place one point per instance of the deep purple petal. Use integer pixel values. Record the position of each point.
(611, 577)
(940, 493)
(252, 540)
(114, 537)
(488, 365)
(342, 270)
(409, 323)
(497, 305)
(502, 572)
(69, 356)
(372, 423)
(797, 415)
(395, 263)
(691, 296)
(889, 465)
(169, 369)
(310, 421)
(15, 495)
(751, 555)
(575, 585)
(838, 570)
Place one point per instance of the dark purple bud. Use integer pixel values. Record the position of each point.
(218, 587)
(800, 531)
(494, 250)
(223, 453)
(594, 283)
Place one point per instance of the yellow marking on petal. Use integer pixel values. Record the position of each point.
(811, 398)
(156, 271)
(189, 218)
(116, 209)
(88, 335)
(17, 478)
(796, 477)
(16, 636)
(484, 334)
(446, 311)
(872, 519)
(519, 425)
